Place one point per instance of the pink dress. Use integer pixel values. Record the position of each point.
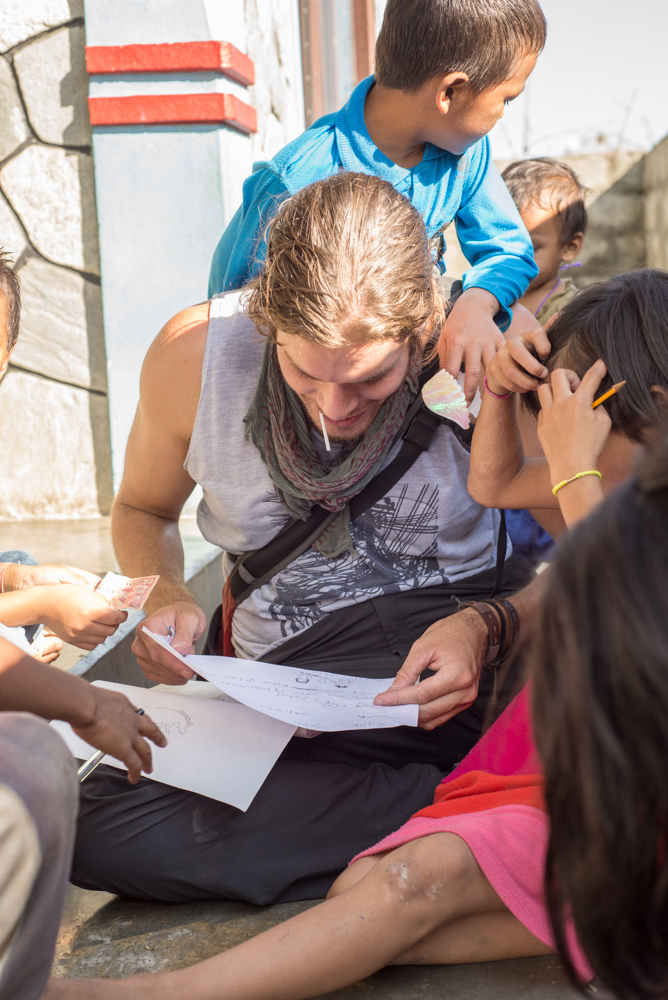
(494, 801)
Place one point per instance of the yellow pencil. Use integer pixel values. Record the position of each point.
(607, 395)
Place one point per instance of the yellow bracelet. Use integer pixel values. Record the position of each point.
(565, 482)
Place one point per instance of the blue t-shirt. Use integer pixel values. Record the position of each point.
(442, 187)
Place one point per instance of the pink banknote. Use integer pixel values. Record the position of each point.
(125, 594)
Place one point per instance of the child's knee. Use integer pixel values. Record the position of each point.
(353, 874)
(428, 867)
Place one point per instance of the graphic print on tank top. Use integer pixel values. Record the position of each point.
(396, 546)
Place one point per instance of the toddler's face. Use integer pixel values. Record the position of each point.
(545, 232)
(549, 249)
(470, 116)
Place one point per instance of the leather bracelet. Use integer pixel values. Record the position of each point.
(493, 624)
(513, 632)
(502, 618)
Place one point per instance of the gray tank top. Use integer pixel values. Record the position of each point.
(427, 530)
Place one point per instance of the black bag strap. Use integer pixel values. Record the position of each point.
(254, 568)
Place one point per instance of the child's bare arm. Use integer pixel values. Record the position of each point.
(500, 475)
(74, 613)
(105, 719)
(573, 435)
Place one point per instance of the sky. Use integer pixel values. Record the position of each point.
(601, 82)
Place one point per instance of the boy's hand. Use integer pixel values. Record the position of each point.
(18, 577)
(188, 622)
(470, 335)
(571, 433)
(77, 614)
(454, 648)
(117, 730)
(504, 372)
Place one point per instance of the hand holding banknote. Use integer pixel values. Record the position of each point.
(76, 614)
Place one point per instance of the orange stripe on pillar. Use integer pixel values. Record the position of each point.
(173, 109)
(220, 57)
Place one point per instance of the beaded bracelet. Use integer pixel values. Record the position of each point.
(579, 475)
(495, 394)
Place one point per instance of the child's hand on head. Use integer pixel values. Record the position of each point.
(571, 433)
(470, 335)
(515, 368)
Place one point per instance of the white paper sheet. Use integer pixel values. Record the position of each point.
(216, 747)
(312, 699)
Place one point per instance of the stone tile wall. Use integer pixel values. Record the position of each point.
(656, 205)
(54, 422)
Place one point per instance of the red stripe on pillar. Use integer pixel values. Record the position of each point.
(221, 57)
(173, 109)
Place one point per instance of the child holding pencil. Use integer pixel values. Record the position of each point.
(613, 332)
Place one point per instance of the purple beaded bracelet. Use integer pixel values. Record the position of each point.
(495, 394)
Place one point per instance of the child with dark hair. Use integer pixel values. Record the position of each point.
(59, 597)
(445, 69)
(551, 202)
(613, 331)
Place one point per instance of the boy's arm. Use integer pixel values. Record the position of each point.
(242, 246)
(105, 719)
(492, 235)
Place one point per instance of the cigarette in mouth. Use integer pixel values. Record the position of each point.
(324, 431)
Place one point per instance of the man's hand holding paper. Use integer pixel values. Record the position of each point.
(311, 699)
(160, 662)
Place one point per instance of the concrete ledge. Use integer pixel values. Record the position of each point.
(102, 935)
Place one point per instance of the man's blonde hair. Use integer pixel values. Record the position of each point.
(347, 262)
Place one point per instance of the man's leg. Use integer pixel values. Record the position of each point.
(307, 821)
(38, 806)
(325, 800)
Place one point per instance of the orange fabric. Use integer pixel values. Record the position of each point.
(476, 791)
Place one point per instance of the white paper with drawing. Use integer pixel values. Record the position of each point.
(312, 699)
(217, 748)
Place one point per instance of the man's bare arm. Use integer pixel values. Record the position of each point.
(155, 487)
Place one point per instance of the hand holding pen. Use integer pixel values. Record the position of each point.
(119, 730)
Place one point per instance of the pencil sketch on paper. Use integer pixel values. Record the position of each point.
(169, 720)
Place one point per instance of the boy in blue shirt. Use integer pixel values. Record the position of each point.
(445, 69)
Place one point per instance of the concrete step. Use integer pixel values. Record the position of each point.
(104, 936)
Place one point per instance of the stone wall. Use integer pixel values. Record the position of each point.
(656, 205)
(53, 401)
(616, 239)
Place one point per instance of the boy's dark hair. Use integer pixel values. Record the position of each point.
(10, 289)
(485, 39)
(624, 321)
(547, 183)
(599, 662)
